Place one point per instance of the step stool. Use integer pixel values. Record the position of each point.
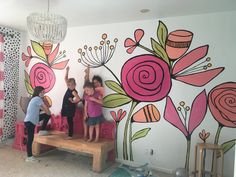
(199, 149)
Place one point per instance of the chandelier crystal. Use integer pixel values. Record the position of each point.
(47, 27)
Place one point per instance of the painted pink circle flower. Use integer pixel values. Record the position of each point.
(42, 75)
(146, 78)
(222, 104)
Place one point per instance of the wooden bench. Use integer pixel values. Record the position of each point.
(98, 150)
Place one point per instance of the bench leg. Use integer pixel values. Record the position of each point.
(36, 148)
(99, 161)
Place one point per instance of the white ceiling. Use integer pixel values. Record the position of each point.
(13, 13)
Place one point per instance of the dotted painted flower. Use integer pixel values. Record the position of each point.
(146, 78)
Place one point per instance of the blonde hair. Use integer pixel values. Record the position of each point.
(71, 80)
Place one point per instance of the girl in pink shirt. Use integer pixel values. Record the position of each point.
(92, 110)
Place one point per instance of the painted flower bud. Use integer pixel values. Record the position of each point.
(47, 46)
(178, 42)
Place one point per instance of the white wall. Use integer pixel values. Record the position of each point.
(168, 143)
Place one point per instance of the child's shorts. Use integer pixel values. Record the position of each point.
(94, 120)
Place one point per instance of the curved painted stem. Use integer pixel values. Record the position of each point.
(216, 142)
(147, 49)
(128, 122)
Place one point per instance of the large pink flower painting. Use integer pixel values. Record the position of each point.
(148, 77)
(41, 73)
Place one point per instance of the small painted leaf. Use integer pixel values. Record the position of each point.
(53, 55)
(162, 34)
(227, 146)
(38, 49)
(115, 100)
(115, 87)
(140, 134)
(29, 88)
(160, 52)
(27, 78)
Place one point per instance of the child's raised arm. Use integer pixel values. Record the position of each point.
(66, 75)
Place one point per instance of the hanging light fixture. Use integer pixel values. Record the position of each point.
(47, 27)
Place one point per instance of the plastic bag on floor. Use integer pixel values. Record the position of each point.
(132, 171)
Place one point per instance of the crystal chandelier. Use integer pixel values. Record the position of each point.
(47, 27)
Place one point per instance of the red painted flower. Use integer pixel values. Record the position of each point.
(146, 78)
(222, 103)
(118, 116)
(27, 58)
(138, 35)
(42, 75)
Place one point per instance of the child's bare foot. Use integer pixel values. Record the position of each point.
(85, 138)
(96, 140)
(89, 140)
(68, 138)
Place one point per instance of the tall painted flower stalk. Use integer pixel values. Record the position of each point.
(117, 118)
(204, 135)
(222, 99)
(178, 118)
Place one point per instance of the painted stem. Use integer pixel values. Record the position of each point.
(188, 153)
(113, 74)
(216, 142)
(117, 123)
(147, 49)
(128, 122)
(130, 144)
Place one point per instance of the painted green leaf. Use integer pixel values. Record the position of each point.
(38, 49)
(29, 88)
(115, 100)
(159, 50)
(115, 87)
(227, 146)
(140, 134)
(162, 34)
(27, 78)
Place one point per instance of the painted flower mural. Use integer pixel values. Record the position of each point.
(117, 117)
(148, 78)
(222, 104)
(41, 73)
(186, 124)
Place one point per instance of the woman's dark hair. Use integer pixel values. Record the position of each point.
(88, 85)
(98, 78)
(37, 91)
